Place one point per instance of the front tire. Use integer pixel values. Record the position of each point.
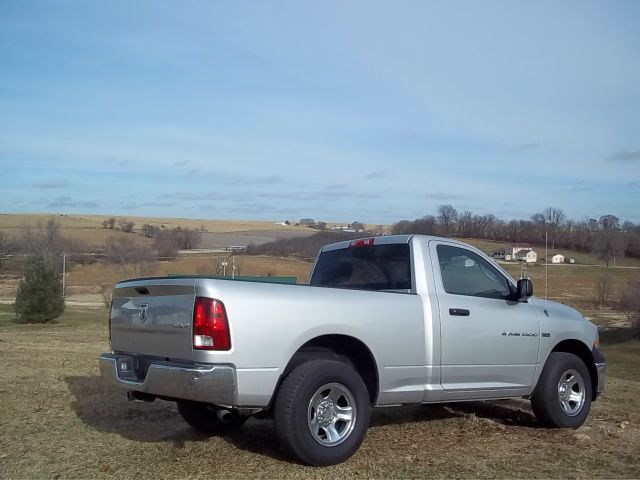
(562, 398)
(207, 418)
(322, 412)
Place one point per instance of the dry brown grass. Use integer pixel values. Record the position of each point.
(581, 258)
(84, 283)
(574, 285)
(58, 420)
(99, 273)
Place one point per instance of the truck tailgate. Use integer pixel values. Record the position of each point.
(153, 317)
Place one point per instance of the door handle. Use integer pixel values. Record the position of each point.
(459, 312)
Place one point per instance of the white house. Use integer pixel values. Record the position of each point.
(527, 256)
(510, 253)
(557, 258)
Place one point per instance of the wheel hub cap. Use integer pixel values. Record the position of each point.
(325, 413)
(331, 414)
(571, 392)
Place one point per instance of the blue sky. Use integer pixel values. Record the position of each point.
(340, 111)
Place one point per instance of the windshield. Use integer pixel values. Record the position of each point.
(378, 267)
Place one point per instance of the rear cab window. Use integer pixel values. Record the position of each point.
(385, 267)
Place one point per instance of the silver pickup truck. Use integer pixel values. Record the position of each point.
(384, 321)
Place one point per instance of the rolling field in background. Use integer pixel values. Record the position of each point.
(88, 228)
(570, 284)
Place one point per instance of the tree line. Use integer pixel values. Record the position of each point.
(606, 236)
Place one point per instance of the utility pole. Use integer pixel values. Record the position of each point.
(64, 271)
(546, 264)
(233, 271)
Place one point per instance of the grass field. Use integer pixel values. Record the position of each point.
(58, 420)
(581, 258)
(570, 284)
(88, 228)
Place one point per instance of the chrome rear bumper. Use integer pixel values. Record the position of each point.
(214, 384)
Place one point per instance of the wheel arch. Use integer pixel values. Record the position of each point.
(581, 350)
(341, 347)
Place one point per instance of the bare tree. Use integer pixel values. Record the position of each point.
(128, 252)
(106, 291)
(149, 231)
(125, 225)
(7, 247)
(187, 239)
(486, 225)
(630, 303)
(540, 222)
(627, 226)
(465, 224)
(610, 222)
(554, 218)
(603, 290)
(166, 245)
(608, 244)
(447, 217)
(44, 239)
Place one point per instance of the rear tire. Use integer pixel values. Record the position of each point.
(562, 398)
(204, 417)
(322, 412)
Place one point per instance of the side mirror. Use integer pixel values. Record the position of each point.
(524, 290)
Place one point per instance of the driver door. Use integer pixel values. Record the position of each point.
(489, 343)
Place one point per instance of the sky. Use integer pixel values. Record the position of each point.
(338, 111)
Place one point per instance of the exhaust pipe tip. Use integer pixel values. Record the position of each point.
(225, 416)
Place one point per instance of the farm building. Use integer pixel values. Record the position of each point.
(528, 256)
(509, 253)
(557, 258)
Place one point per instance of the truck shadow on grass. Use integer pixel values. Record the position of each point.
(106, 409)
(506, 412)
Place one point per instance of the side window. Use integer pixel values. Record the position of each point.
(466, 273)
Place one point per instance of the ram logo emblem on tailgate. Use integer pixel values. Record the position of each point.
(142, 313)
(181, 325)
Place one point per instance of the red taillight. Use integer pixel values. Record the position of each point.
(210, 326)
(363, 242)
